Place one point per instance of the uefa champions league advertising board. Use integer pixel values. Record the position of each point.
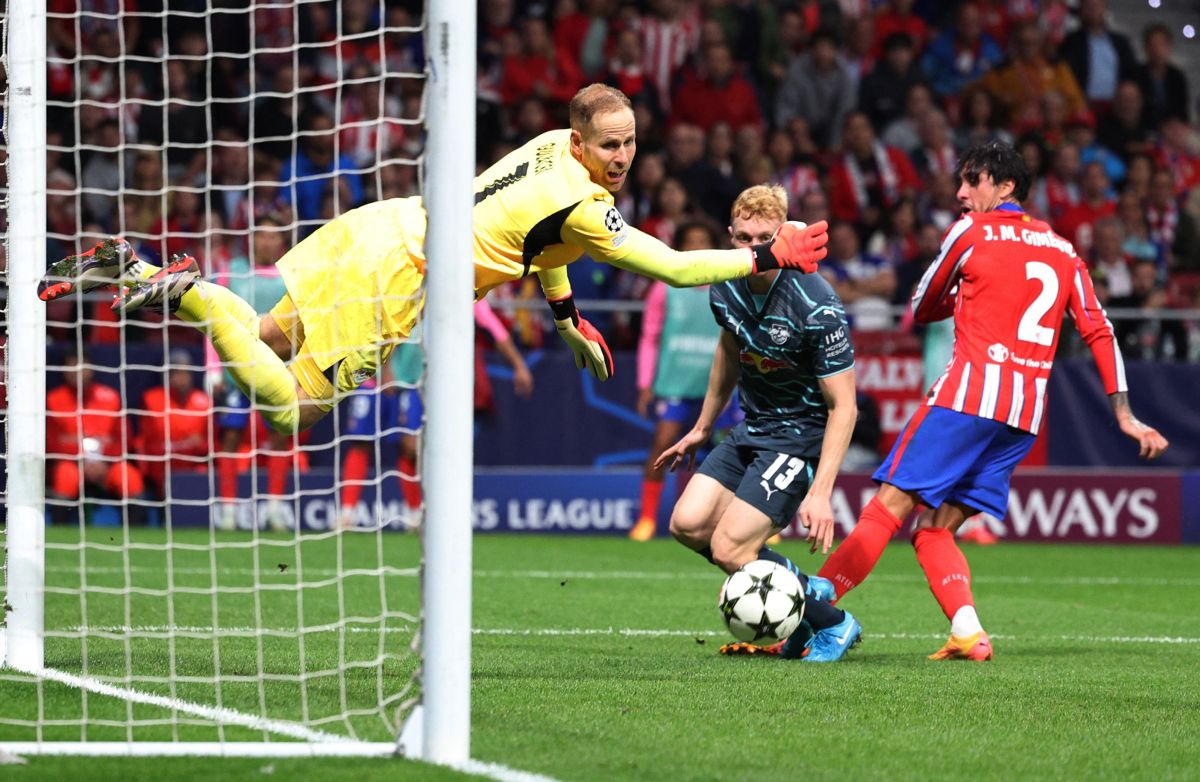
(1146, 506)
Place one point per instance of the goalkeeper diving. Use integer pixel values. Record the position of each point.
(354, 286)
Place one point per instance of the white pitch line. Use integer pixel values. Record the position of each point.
(213, 713)
(272, 574)
(501, 773)
(627, 632)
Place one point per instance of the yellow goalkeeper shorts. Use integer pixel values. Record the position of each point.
(355, 285)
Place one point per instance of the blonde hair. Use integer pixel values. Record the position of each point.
(595, 99)
(767, 201)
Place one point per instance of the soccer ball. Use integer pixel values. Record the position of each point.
(762, 601)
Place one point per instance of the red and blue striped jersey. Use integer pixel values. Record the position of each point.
(1007, 279)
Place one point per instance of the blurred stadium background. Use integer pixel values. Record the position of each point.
(728, 94)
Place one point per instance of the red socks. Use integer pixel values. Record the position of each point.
(277, 473)
(227, 475)
(946, 569)
(651, 494)
(410, 484)
(354, 471)
(852, 561)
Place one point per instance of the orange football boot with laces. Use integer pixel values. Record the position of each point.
(977, 647)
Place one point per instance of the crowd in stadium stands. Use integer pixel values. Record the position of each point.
(858, 108)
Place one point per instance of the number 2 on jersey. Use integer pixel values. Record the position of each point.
(1030, 329)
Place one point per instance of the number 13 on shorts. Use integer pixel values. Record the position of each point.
(790, 466)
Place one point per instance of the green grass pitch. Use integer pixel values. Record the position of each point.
(596, 659)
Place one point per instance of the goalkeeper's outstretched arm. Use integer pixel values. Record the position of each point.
(794, 246)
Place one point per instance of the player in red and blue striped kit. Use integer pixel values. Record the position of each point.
(1007, 279)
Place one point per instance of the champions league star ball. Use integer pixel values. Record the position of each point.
(763, 601)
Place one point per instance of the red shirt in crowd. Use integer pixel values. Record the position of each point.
(70, 418)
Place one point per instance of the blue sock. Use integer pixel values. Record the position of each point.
(767, 553)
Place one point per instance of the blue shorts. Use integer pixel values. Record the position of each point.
(371, 413)
(410, 411)
(677, 410)
(237, 412)
(772, 482)
(943, 455)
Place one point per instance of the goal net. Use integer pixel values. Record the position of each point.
(177, 578)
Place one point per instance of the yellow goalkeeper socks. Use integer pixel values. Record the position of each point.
(232, 325)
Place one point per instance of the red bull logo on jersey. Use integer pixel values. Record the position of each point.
(762, 363)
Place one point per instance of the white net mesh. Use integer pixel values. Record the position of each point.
(206, 579)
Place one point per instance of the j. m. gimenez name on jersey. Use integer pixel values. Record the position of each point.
(787, 341)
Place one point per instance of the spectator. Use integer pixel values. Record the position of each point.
(717, 94)
(864, 282)
(181, 125)
(1175, 153)
(1000, 18)
(102, 173)
(369, 128)
(896, 241)
(538, 69)
(869, 178)
(1057, 192)
(981, 121)
(936, 156)
(939, 205)
(814, 207)
(960, 54)
(1099, 57)
(1163, 85)
(1138, 173)
(752, 30)
(174, 424)
(529, 120)
(719, 148)
(671, 210)
(896, 17)
(311, 173)
(856, 54)
(670, 34)
(793, 39)
(86, 439)
(902, 132)
(1137, 245)
(818, 89)
(708, 188)
(1078, 223)
(881, 92)
(1082, 133)
(627, 71)
(1108, 259)
(1020, 83)
(583, 33)
(796, 178)
(636, 202)
(1171, 227)
(1146, 336)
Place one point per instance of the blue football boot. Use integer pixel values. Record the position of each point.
(832, 643)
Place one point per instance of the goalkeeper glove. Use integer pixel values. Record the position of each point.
(794, 246)
(585, 342)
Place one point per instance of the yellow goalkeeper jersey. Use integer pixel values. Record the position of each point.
(536, 209)
(356, 281)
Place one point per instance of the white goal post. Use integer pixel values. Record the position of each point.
(434, 711)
